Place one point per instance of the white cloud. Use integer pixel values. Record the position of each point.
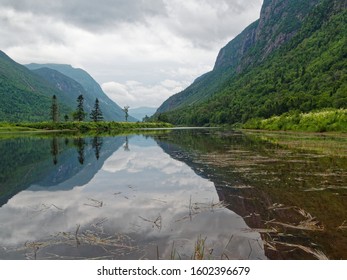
(151, 42)
(136, 94)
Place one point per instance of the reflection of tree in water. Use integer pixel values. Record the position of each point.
(126, 145)
(55, 150)
(67, 141)
(80, 144)
(96, 144)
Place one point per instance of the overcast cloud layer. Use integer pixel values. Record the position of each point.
(140, 51)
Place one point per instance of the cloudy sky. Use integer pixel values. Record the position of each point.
(140, 51)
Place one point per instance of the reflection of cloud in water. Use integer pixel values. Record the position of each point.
(161, 187)
(142, 159)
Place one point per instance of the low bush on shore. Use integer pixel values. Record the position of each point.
(316, 121)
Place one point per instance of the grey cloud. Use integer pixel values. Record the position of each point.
(89, 14)
(207, 23)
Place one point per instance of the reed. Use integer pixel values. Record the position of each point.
(199, 248)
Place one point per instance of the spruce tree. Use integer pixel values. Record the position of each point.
(96, 114)
(54, 109)
(79, 114)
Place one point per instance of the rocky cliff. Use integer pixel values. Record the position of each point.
(279, 21)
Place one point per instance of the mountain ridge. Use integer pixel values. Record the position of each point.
(283, 28)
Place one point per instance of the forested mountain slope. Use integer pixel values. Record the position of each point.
(292, 58)
(24, 96)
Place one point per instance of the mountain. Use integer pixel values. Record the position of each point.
(91, 89)
(69, 87)
(24, 95)
(292, 58)
(26, 92)
(141, 112)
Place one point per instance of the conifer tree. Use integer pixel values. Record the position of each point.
(96, 114)
(54, 109)
(79, 114)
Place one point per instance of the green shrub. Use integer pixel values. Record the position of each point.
(316, 121)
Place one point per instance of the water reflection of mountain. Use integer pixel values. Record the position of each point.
(51, 163)
(266, 184)
(187, 146)
(227, 185)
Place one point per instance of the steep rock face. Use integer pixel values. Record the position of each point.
(231, 54)
(279, 21)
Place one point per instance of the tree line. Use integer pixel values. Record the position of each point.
(79, 114)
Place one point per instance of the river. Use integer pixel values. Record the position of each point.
(174, 194)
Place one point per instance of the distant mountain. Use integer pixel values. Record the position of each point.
(25, 96)
(141, 112)
(292, 58)
(92, 90)
(69, 87)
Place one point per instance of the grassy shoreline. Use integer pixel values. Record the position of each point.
(328, 120)
(78, 126)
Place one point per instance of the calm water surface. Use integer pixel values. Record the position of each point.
(173, 195)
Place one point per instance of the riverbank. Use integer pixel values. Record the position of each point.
(328, 120)
(79, 126)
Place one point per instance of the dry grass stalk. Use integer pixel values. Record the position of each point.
(224, 255)
(94, 203)
(199, 207)
(303, 225)
(316, 253)
(199, 249)
(343, 226)
(44, 208)
(113, 245)
(269, 245)
(174, 252)
(242, 187)
(251, 249)
(262, 230)
(156, 223)
(276, 206)
(310, 222)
